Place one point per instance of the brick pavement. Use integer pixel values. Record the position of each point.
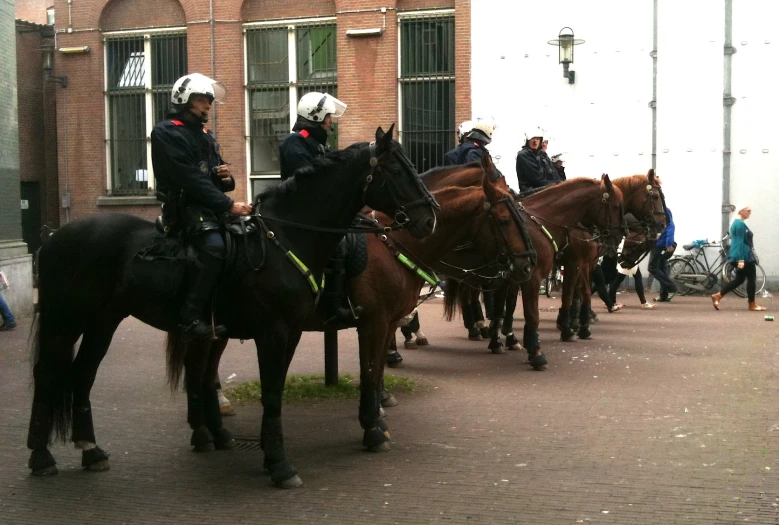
(665, 416)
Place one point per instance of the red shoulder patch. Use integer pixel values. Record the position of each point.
(304, 133)
(177, 123)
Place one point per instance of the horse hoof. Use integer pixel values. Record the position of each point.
(223, 439)
(422, 341)
(226, 410)
(202, 440)
(381, 447)
(566, 335)
(512, 343)
(584, 333)
(389, 401)
(484, 331)
(497, 348)
(538, 362)
(46, 471)
(291, 483)
(99, 466)
(410, 345)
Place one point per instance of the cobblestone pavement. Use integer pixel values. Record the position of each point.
(666, 416)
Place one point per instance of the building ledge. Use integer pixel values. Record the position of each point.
(131, 200)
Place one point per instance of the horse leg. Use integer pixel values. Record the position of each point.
(512, 343)
(487, 297)
(575, 310)
(374, 339)
(196, 363)
(94, 345)
(530, 337)
(223, 439)
(52, 405)
(584, 313)
(225, 406)
(563, 317)
(498, 308)
(275, 349)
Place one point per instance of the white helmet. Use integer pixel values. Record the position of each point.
(316, 106)
(463, 129)
(485, 125)
(534, 132)
(196, 84)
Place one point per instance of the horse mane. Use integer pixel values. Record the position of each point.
(568, 185)
(318, 168)
(446, 169)
(630, 183)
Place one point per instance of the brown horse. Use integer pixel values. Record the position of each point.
(388, 289)
(643, 198)
(558, 214)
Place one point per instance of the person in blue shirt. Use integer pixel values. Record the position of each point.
(658, 264)
(742, 256)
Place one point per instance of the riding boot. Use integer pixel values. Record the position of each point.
(335, 293)
(196, 311)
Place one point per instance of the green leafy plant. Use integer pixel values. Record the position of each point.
(312, 387)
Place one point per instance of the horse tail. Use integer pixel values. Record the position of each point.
(176, 353)
(51, 344)
(451, 298)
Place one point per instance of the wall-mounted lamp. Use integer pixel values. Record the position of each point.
(372, 31)
(565, 42)
(48, 65)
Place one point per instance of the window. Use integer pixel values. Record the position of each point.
(283, 63)
(140, 72)
(427, 87)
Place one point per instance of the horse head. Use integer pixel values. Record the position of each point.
(506, 224)
(656, 202)
(393, 187)
(613, 211)
(636, 246)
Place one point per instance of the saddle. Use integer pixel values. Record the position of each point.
(161, 267)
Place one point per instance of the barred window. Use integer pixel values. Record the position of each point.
(283, 63)
(140, 71)
(427, 69)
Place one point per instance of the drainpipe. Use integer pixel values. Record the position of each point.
(213, 52)
(653, 103)
(727, 105)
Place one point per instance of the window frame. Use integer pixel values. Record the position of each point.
(426, 14)
(146, 35)
(293, 82)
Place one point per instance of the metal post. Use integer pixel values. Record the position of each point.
(727, 105)
(653, 104)
(331, 356)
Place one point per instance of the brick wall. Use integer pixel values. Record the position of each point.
(32, 10)
(367, 74)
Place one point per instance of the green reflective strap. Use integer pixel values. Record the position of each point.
(431, 280)
(303, 268)
(543, 229)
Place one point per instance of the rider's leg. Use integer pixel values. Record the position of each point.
(196, 312)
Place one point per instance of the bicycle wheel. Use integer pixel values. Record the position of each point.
(729, 273)
(677, 267)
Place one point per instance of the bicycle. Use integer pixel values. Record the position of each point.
(693, 272)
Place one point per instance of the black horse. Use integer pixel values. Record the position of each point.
(86, 291)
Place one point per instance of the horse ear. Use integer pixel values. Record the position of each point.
(606, 183)
(650, 176)
(487, 165)
(379, 133)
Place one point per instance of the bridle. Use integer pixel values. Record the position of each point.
(401, 218)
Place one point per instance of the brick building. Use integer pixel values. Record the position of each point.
(404, 61)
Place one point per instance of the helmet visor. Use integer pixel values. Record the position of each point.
(220, 92)
(340, 107)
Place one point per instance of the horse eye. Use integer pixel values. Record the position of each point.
(504, 221)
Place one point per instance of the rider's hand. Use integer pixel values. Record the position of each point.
(670, 248)
(223, 171)
(240, 208)
(740, 265)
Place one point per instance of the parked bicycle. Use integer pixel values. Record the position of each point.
(693, 272)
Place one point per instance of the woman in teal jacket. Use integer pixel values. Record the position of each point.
(741, 255)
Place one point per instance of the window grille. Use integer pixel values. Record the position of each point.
(140, 72)
(427, 73)
(283, 63)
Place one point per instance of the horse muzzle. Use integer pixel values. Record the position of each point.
(521, 269)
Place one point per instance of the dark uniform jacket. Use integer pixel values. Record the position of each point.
(548, 167)
(185, 157)
(561, 173)
(301, 147)
(530, 173)
(466, 152)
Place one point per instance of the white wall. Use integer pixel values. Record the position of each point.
(604, 121)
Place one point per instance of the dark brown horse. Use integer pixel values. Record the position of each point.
(555, 215)
(86, 291)
(389, 289)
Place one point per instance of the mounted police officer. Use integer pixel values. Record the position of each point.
(192, 179)
(531, 172)
(558, 159)
(473, 142)
(317, 112)
(547, 164)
